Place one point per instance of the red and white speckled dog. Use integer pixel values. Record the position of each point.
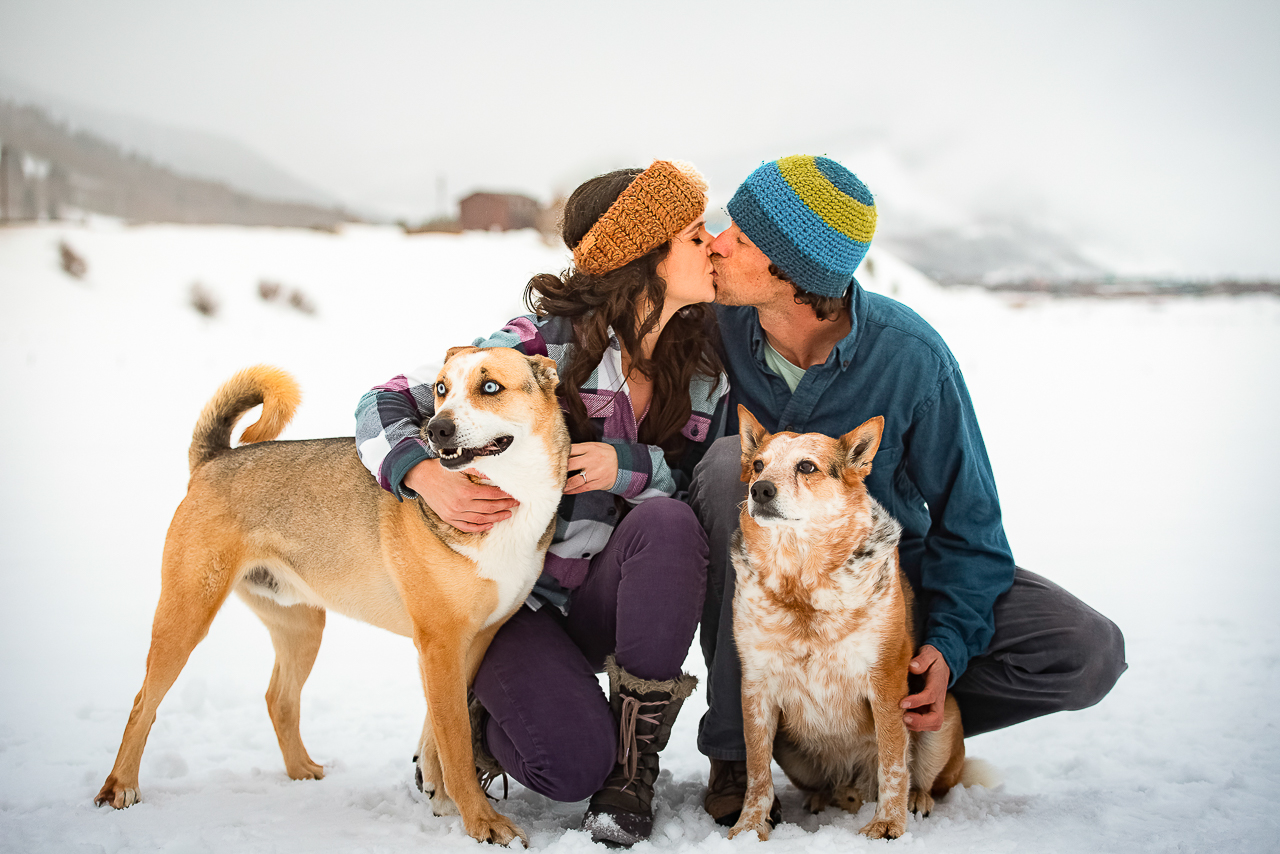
(822, 619)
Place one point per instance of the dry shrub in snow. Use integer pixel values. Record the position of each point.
(269, 290)
(72, 264)
(202, 300)
(301, 302)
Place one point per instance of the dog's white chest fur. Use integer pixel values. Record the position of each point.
(812, 649)
(508, 559)
(508, 555)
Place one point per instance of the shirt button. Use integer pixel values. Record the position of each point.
(846, 363)
(613, 511)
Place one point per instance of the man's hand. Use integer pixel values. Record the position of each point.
(925, 709)
(594, 466)
(465, 505)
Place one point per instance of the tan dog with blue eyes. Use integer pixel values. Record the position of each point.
(822, 620)
(296, 528)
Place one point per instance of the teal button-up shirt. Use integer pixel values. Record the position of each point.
(931, 471)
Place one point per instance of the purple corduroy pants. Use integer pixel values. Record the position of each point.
(550, 725)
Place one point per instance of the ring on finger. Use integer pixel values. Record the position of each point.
(584, 478)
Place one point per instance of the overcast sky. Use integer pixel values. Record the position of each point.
(1146, 132)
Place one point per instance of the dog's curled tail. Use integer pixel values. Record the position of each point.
(979, 772)
(275, 389)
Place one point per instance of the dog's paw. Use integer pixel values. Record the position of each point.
(305, 770)
(816, 802)
(883, 828)
(848, 798)
(117, 796)
(752, 819)
(761, 829)
(496, 829)
(920, 802)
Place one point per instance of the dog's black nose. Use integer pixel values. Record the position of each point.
(441, 429)
(763, 491)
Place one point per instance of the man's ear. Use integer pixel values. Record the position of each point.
(859, 445)
(544, 371)
(453, 351)
(752, 436)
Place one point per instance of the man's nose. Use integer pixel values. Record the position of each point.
(720, 244)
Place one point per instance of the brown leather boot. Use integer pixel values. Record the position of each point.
(727, 789)
(621, 813)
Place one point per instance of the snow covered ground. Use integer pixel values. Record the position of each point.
(1134, 444)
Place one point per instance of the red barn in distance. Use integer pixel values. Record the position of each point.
(498, 211)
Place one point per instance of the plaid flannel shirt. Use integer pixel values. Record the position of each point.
(389, 419)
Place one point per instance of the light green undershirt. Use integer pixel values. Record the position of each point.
(791, 374)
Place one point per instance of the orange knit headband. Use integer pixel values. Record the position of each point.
(654, 208)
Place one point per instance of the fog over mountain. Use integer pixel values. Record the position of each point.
(194, 153)
(1015, 138)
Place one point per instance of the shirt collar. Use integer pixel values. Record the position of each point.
(845, 347)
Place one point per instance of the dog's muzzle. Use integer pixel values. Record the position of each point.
(761, 505)
(442, 433)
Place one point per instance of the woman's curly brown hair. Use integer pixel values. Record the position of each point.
(596, 303)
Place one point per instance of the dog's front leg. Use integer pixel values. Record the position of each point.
(759, 726)
(442, 656)
(892, 744)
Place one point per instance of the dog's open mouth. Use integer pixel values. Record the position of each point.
(453, 458)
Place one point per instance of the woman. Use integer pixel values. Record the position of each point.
(624, 579)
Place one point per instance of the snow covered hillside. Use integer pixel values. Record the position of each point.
(1133, 443)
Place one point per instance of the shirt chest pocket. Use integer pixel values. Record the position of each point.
(883, 482)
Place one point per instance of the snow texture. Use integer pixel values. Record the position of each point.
(1133, 442)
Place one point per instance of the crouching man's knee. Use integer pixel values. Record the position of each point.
(1096, 660)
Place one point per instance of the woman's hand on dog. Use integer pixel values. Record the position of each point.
(592, 465)
(467, 506)
(925, 708)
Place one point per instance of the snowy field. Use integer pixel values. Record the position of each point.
(1134, 442)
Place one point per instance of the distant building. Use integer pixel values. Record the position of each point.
(498, 211)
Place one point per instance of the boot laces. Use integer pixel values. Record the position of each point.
(629, 740)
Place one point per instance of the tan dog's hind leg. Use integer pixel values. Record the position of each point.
(759, 726)
(295, 633)
(189, 600)
(890, 820)
(937, 759)
(432, 773)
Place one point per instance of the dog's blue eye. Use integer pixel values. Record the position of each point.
(490, 387)
(758, 466)
(440, 389)
(806, 467)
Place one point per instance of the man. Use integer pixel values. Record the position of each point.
(808, 350)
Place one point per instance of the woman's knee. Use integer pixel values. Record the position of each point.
(573, 760)
(661, 511)
(671, 526)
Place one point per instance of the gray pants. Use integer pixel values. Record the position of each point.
(1051, 652)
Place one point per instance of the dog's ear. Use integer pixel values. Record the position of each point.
(752, 436)
(859, 446)
(544, 371)
(453, 351)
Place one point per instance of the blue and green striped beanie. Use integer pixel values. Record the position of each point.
(811, 216)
